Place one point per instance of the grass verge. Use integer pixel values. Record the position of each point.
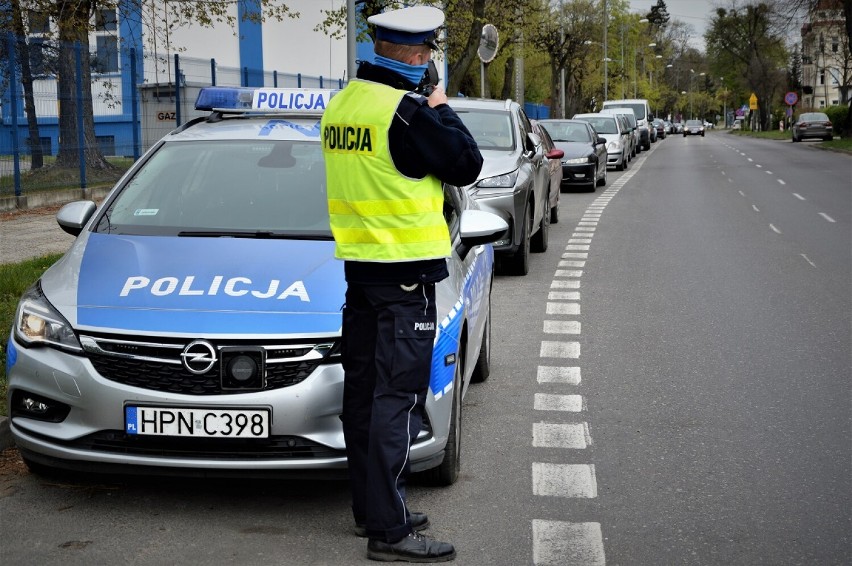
(14, 280)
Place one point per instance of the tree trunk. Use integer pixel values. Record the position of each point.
(23, 51)
(508, 78)
(460, 68)
(73, 32)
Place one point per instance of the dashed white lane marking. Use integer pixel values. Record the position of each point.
(774, 229)
(560, 374)
(827, 217)
(568, 273)
(769, 172)
(564, 284)
(576, 248)
(575, 255)
(579, 241)
(563, 295)
(561, 435)
(741, 193)
(572, 263)
(758, 165)
(798, 196)
(564, 480)
(755, 208)
(782, 181)
(559, 543)
(750, 159)
(570, 350)
(807, 259)
(561, 327)
(551, 402)
(563, 308)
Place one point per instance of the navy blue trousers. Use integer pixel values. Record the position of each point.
(388, 336)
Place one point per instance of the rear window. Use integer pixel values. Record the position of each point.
(492, 129)
(567, 132)
(638, 108)
(602, 125)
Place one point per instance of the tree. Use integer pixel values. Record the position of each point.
(746, 40)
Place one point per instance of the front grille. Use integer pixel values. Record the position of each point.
(274, 447)
(158, 366)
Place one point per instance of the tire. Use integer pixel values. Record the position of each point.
(554, 213)
(647, 146)
(601, 182)
(482, 369)
(447, 472)
(621, 166)
(519, 262)
(541, 238)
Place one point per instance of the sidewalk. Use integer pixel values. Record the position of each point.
(30, 234)
(27, 235)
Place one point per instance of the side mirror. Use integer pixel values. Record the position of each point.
(74, 215)
(533, 142)
(555, 153)
(478, 227)
(600, 140)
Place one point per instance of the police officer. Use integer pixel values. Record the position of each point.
(387, 150)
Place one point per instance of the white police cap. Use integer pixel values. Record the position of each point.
(415, 25)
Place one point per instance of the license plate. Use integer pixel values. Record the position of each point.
(197, 422)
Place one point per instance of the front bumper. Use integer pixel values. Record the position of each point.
(305, 432)
(581, 174)
(509, 206)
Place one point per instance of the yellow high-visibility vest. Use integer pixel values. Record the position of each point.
(376, 213)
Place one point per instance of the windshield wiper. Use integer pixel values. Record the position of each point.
(256, 234)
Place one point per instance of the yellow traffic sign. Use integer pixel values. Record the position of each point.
(752, 101)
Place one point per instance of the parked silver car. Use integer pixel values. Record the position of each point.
(515, 178)
(194, 325)
(633, 126)
(617, 138)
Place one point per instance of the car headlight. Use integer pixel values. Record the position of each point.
(37, 323)
(614, 145)
(577, 160)
(505, 181)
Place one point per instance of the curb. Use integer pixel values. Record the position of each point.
(5, 434)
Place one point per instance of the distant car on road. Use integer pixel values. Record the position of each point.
(693, 128)
(584, 159)
(812, 125)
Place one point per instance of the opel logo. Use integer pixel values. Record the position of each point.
(199, 357)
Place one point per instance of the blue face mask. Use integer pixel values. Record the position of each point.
(413, 73)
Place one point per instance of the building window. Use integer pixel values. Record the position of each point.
(835, 102)
(106, 20)
(835, 44)
(822, 103)
(106, 55)
(39, 21)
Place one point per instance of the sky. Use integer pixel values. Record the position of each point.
(693, 12)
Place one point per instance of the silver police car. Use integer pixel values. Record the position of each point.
(194, 325)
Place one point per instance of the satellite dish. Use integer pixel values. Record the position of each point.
(488, 43)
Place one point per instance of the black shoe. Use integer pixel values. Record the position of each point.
(419, 522)
(413, 548)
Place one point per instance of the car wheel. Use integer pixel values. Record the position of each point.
(554, 212)
(601, 182)
(519, 263)
(540, 240)
(482, 369)
(447, 472)
(647, 146)
(621, 166)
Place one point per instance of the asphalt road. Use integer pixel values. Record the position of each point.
(670, 385)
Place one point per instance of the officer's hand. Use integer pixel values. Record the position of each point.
(437, 97)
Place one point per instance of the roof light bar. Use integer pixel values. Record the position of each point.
(266, 100)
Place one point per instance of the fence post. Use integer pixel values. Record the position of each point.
(299, 80)
(212, 72)
(81, 135)
(275, 78)
(13, 107)
(177, 91)
(134, 98)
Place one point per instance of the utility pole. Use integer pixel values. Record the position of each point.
(605, 56)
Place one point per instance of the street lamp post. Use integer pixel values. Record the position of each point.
(605, 54)
(642, 21)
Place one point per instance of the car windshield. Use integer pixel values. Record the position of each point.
(694, 123)
(638, 108)
(269, 187)
(492, 129)
(567, 132)
(601, 124)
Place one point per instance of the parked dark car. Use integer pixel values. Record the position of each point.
(812, 125)
(584, 159)
(554, 163)
(660, 126)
